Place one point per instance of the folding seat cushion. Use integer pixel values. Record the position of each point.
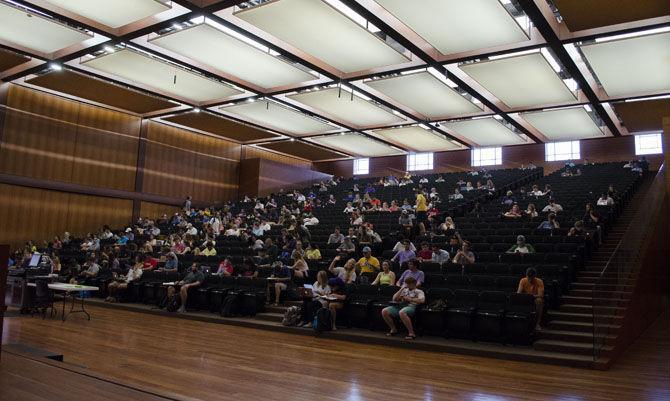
(486, 257)
(385, 294)
(534, 257)
(360, 298)
(507, 283)
(567, 248)
(476, 238)
(203, 292)
(431, 316)
(482, 283)
(480, 247)
(488, 319)
(434, 281)
(457, 281)
(519, 319)
(431, 267)
(497, 269)
(474, 268)
(522, 231)
(505, 231)
(453, 268)
(543, 247)
(460, 312)
(492, 239)
(500, 247)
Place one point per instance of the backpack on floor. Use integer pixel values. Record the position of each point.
(171, 304)
(322, 321)
(230, 306)
(251, 303)
(292, 316)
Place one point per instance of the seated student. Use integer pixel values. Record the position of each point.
(225, 267)
(514, 212)
(533, 286)
(209, 250)
(456, 195)
(90, 270)
(281, 276)
(508, 199)
(386, 276)
(405, 254)
(171, 263)
(605, 200)
(535, 191)
(193, 279)
(347, 246)
(439, 255)
(578, 230)
(300, 268)
(368, 263)
(405, 222)
(553, 207)
(412, 271)
(591, 216)
(531, 212)
(336, 237)
(312, 252)
(337, 291)
(464, 256)
(408, 298)
(120, 283)
(550, 223)
(347, 273)
(521, 246)
(425, 254)
(312, 301)
(248, 268)
(400, 245)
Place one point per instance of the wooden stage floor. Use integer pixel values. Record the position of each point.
(150, 357)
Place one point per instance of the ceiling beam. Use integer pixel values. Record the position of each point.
(533, 11)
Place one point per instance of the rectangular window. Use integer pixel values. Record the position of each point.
(556, 151)
(486, 157)
(361, 166)
(648, 144)
(419, 161)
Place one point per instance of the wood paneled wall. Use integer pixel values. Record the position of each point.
(254, 153)
(155, 210)
(595, 150)
(53, 138)
(38, 214)
(261, 177)
(179, 163)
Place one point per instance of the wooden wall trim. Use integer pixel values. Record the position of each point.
(87, 190)
(4, 91)
(139, 171)
(4, 257)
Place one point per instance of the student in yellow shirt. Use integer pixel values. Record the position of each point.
(368, 263)
(421, 210)
(209, 250)
(313, 252)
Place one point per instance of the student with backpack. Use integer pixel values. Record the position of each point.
(336, 300)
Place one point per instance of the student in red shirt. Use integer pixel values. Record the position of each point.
(149, 263)
(425, 254)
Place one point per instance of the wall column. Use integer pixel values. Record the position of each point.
(666, 151)
(139, 173)
(4, 93)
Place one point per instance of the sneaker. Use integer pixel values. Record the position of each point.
(181, 310)
(538, 328)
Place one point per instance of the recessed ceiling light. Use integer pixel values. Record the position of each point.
(108, 49)
(55, 66)
(197, 110)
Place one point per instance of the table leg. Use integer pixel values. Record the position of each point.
(63, 311)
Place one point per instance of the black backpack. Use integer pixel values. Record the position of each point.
(230, 306)
(251, 304)
(171, 304)
(322, 321)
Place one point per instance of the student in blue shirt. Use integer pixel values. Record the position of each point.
(280, 279)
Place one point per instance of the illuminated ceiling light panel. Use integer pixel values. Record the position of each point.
(416, 139)
(485, 132)
(564, 124)
(358, 111)
(322, 31)
(356, 144)
(36, 32)
(631, 66)
(154, 73)
(210, 46)
(521, 81)
(454, 26)
(278, 117)
(425, 94)
(116, 13)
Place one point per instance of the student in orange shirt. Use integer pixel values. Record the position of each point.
(535, 287)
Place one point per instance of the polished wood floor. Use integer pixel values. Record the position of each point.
(214, 361)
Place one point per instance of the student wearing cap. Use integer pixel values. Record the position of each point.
(521, 246)
(368, 263)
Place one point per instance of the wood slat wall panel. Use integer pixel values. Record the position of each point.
(252, 153)
(155, 210)
(89, 213)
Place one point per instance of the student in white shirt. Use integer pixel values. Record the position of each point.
(553, 207)
(408, 298)
(605, 200)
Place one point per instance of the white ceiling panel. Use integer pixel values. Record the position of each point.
(154, 73)
(485, 132)
(631, 66)
(358, 111)
(425, 94)
(215, 48)
(454, 26)
(36, 32)
(323, 32)
(278, 117)
(417, 139)
(356, 144)
(564, 124)
(113, 14)
(521, 81)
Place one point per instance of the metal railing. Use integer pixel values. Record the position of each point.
(622, 265)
